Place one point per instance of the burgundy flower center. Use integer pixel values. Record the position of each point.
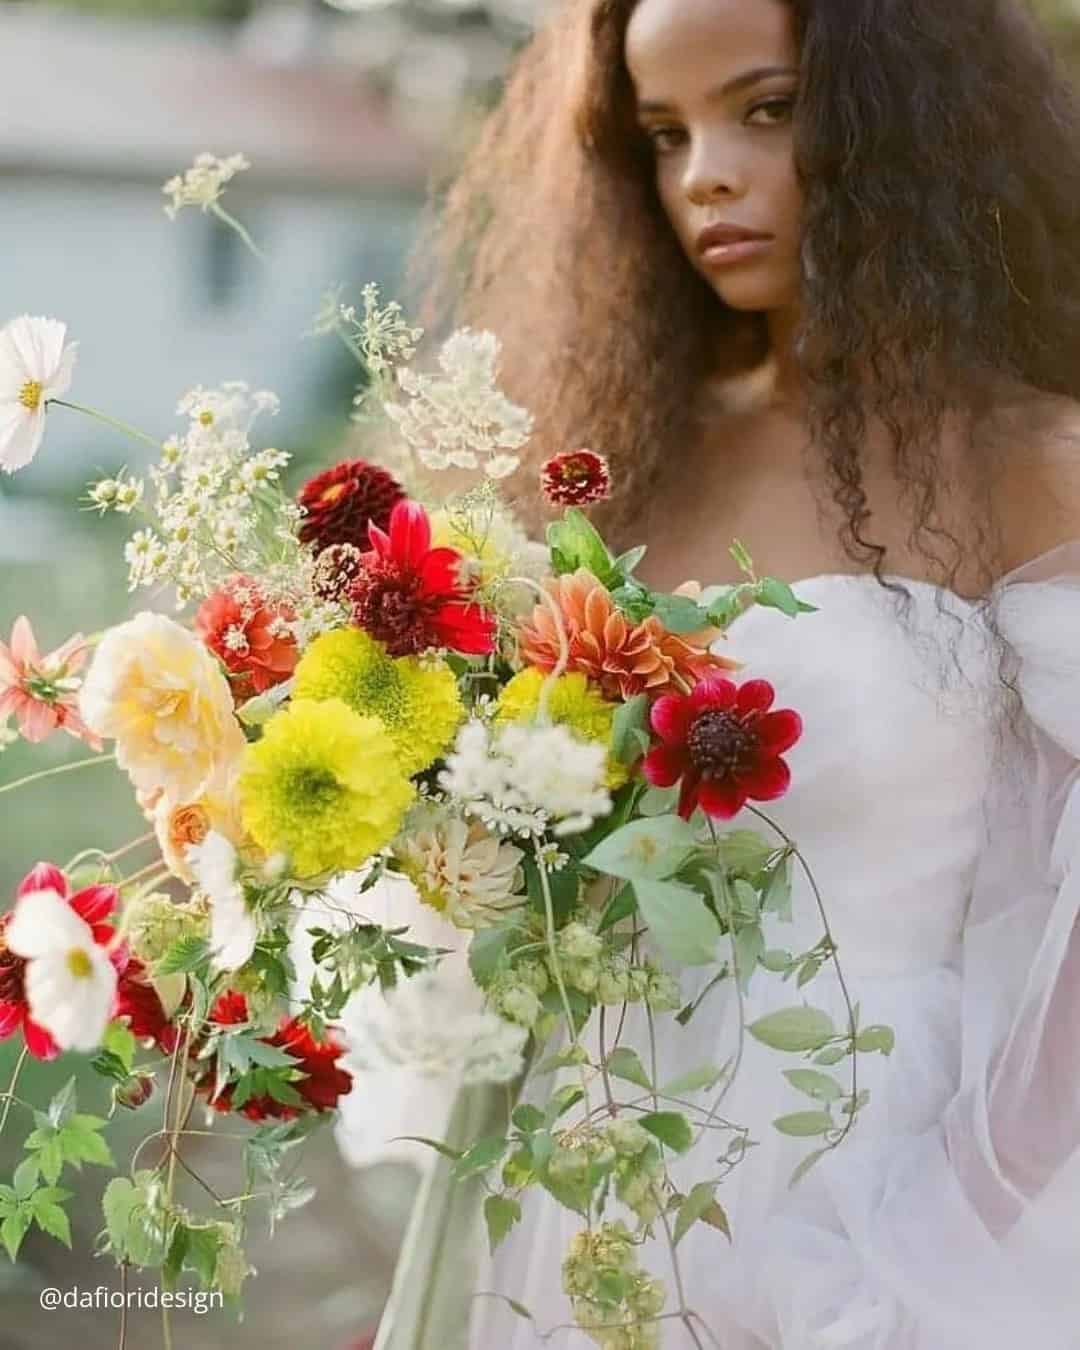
(391, 605)
(720, 745)
(12, 974)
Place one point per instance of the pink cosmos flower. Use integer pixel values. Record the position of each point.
(41, 691)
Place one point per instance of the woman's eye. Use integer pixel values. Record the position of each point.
(778, 111)
(664, 138)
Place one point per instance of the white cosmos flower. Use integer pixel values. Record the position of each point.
(35, 366)
(70, 981)
(233, 928)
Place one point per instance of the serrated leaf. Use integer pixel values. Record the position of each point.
(684, 928)
(820, 1086)
(119, 1041)
(624, 1063)
(793, 1029)
(51, 1219)
(13, 1230)
(80, 1141)
(202, 1251)
(185, 954)
(482, 1155)
(697, 1080)
(117, 1202)
(802, 1123)
(501, 1212)
(51, 1159)
(670, 1127)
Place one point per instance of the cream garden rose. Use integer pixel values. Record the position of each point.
(155, 689)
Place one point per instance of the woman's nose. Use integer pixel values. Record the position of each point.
(713, 172)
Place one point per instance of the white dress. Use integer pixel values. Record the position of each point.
(949, 862)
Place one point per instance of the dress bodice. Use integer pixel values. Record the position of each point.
(889, 778)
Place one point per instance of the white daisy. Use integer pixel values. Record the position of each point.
(70, 981)
(233, 929)
(35, 366)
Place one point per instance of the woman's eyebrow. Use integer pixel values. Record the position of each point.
(732, 86)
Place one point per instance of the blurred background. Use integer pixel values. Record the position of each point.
(348, 111)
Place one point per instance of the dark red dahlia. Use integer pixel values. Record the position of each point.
(409, 595)
(137, 1000)
(323, 1081)
(724, 745)
(341, 503)
(575, 478)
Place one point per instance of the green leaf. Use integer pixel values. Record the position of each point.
(773, 594)
(746, 903)
(777, 896)
(119, 1041)
(528, 1118)
(776, 960)
(684, 928)
(13, 1230)
(51, 1159)
(801, 1028)
(621, 905)
(436, 1144)
(626, 562)
(501, 1212)
(801, 1123)
(805, 1165)
(561, 1102)
(807, 971)
(81, 1142)
(51, 1219)
(202, 1251)
(820, 1086)
(482, 1155)
(670, 1127)
(876, 1038)
(679, 614)
(574, 542)
(743, 560)
(631, 716)
(62, 1106)
(119, 1199)
(658, 801)
(744, 852)
(185, 954)
(697, 1080)
(174, 1259)
(832, 1054)
(624, 1063)
(749, 945)
(701, 1204)
(487, 950)
(25, 1178)
(645, 850)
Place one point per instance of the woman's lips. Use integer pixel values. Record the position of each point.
(720, 255)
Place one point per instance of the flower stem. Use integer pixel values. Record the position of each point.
(52, 773)
(108, 421)
(239, 229)
(9, 1095)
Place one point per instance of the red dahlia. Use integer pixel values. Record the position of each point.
(409, 595)
(341, 503)
(323, 1081)
(724, 744)
(93, 904)
(249, 635)
(575, 478)
(137, 1000)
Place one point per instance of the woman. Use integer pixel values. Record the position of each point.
(808, 272)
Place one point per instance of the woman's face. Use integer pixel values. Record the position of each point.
(715, 82)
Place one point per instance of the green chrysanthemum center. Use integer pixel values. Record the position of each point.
(314, 788)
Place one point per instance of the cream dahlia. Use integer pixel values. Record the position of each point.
(462, 870)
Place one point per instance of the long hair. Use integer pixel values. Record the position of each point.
(938, 151)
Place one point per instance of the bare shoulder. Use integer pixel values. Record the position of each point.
(1038, 476)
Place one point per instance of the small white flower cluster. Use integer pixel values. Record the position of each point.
(217, 507)
(528, 779)
(460, 419)
(203, 183)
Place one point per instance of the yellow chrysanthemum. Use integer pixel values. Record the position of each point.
(572, 702)
(418, 703)
(324, 786)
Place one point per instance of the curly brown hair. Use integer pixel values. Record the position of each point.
(941, 250)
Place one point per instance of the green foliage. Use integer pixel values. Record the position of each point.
(686, 931)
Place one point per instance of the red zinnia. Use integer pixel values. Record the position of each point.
(575, 478)
(323, 1082)
(341, 503)
(724, 744)
(248, 635)
(92, 904)
(409, 595)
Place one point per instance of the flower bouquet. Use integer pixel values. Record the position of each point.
(359, 689)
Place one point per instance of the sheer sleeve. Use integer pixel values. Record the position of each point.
(1013, 1131)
